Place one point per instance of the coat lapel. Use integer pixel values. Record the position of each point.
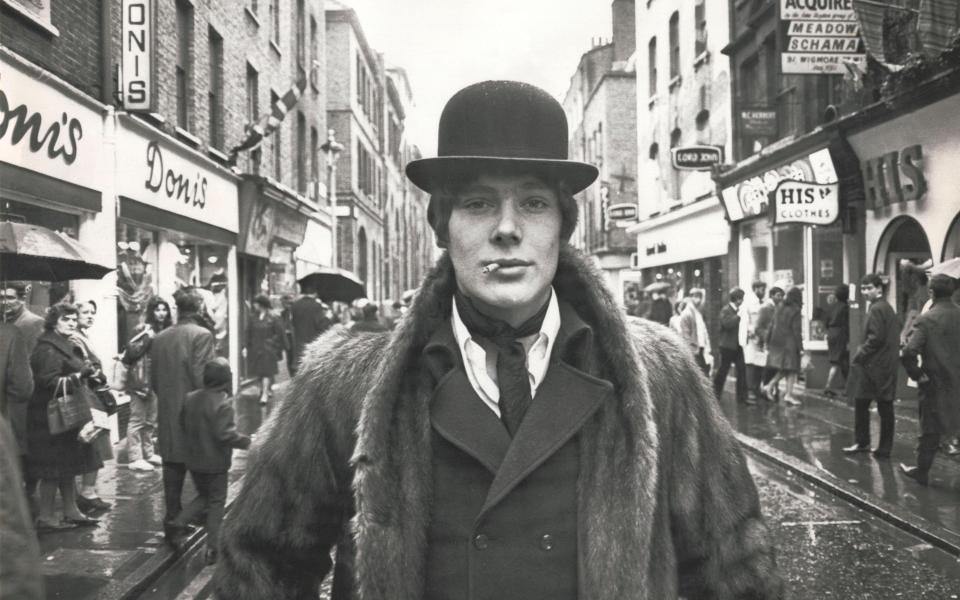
(461, 417)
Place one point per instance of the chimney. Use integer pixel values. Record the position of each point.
(624, 29)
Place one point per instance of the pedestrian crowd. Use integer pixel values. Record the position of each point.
(761, 336)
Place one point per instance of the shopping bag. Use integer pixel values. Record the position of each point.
(67, 411)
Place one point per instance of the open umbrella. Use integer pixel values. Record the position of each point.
(334, 285)
(658, 286)
(951, 268)
(35, 253)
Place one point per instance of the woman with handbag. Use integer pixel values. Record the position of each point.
(143, 401)
(59, 372)
(87, 497)
(265, 345)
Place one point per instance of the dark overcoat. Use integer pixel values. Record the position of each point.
(877, 358)
(16, 382)
(210, 431)
(664, 503)
(936, 340)
(53, 456)
(729, 334)
(265, 345)
(838, 331)
(785, 338)
(309, 320)
(177, 357)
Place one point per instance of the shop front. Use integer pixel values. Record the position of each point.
(52, 173)
(686, 248)
(273, 227)
(176, 226)
(912, 186)
(794, 229)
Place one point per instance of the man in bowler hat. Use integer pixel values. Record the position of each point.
(513, 437)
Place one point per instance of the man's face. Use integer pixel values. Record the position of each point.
(871, 292)
(738, 302)
(760, 291)
(10, 301)
(513, 221)
(777, 297)
(697, 300)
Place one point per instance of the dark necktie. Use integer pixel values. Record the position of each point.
(512, 378)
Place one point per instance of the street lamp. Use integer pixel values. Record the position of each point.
(332, 149)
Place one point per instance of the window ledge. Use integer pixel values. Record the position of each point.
(275, 48)
(652, 101)
(675, 82)
(187, 136)
(702, 59)
(47, 27)
(156, 118)
(252, 17)
(217, 154)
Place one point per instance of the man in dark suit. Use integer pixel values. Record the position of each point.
(730, 350)
(876, 362)
(16, 383)
(935, 339)
(308, 317)
(177, 357)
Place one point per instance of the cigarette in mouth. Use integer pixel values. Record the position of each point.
(491, 267)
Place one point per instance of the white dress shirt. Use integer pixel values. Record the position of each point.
(481, 365)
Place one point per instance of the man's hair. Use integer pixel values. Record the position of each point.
(20, 287)
(794, 297)
(369, 310)
(55, 312)
(188, 301)
(758, 284)
(941, 286)
(774, 291)
(699, 292)
(842, 292)
(736, 294)
(873, 279)
(441, 205)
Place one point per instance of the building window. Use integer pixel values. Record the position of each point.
(652, 65)
(301, 153)
(750, 96)
(184, 70)
(700, 28)
(675, 45)
(215, 93)
(315, 156)
(253, 112)
(654, 152)
(301, 31)
(275, 21)
(675, 137)
(277, 136)
(313, 67)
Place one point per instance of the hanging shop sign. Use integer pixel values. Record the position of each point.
(44, 130)
(160, 173)
(804, 202)
(894, 177)
(751, 197)
(137, 49)
(822, 37)
(696, 158)
(622, 212)
(761, 122)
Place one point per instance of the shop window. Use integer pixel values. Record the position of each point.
(281, 272)
(43, 294)
(204, 266)
(826, 274)
(137, 264)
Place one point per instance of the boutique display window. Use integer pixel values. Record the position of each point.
(137, 263)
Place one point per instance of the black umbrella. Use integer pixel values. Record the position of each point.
(658, 286)
(35, 253)
(334, 285)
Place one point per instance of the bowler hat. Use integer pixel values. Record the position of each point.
(501, 126)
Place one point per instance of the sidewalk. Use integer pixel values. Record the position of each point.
(815, 433)
(127, 548)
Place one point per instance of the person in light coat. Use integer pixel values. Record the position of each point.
(754, 355)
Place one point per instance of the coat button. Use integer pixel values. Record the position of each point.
(481, 541)
(546, 542)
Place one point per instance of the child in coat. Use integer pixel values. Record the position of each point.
(210, 434)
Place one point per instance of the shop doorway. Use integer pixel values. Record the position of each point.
(903, 251)
(951, 248)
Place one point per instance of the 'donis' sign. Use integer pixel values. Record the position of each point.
(804, 202)
(137, 47)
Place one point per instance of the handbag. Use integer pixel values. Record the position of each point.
(67, 411)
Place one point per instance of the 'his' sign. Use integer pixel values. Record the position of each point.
(802, 202)
(137, 47)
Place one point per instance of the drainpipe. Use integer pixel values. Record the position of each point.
(106, 52)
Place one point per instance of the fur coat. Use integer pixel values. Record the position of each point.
(667, 505)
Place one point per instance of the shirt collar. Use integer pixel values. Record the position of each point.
(548, 330)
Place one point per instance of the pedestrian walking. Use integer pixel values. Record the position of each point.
(785, 346)
(59, 368)
(141, 454)
(265, 345)
(754, 354)
(837, 324)
(16, 385)
(308, 315)
(762, 331)
(177, 357)
(287, 320)
(660, 309)
(368, 321)
(693, 328)
(210, 436)
(513, 438)
(20, 576)
(730, 350)
(875, 364)
(931, 358)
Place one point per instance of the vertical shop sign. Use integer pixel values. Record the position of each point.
(822, 37)
(137, 48)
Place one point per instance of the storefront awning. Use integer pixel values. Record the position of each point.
(693, 232)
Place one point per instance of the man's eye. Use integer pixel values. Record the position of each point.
(536, 203)
(475, 203)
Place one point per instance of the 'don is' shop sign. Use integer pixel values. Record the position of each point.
(823, 36)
